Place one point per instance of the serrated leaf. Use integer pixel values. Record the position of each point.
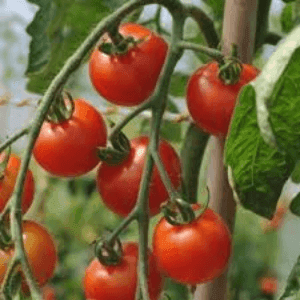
(278, 98)
(57, 30)
(40, 45)
(286, 18)
(178, 85)
(295, 205)
(293, 284)
(257, 171)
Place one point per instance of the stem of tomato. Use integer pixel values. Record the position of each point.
(15, 137)
(213, 53)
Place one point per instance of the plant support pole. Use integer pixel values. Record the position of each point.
(239, 28)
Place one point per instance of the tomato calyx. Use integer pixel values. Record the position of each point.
(62, 108)
(4, 158)
(117, 152)
(230, 68)
(120, 48)
(178, 212)
(109, 253)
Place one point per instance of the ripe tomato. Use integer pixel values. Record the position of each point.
(129, 79)
(7, 183)
(193, 253)
(40, 249)
(120, 281)
(210, 101)
(48, 293)
(70, 147)
(268, 285)
(118, 185)
(5, 257)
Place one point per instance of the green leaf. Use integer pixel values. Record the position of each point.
(257, 172)
(286, 18)
(295, 205)
(293, 284)
(58, 29)
(288, 1)
(296, 173)
(178, 85)
(217, 7)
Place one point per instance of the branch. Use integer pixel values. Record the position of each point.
(14, 137)
(205, 24)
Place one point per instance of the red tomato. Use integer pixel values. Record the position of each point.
(268, 285)
(119, 281)
(7, 183)
(5, 257)
(193, 253)
(70, 147)
(48, 293)
(129, 79)
(210, 101)
(40, 249)
(119, 185)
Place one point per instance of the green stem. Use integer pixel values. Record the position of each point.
(164, 175)
(205, 24)
(14, 137)
(129, 117)
(217, 55)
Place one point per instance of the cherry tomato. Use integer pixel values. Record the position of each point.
(7, 183)
(48, 293)
(40, 249)
(129, 79)
(70, 148)
(268, 285)
(5, 257)
(119, 185)
(119, 281)
(210, 101)
(193, 253)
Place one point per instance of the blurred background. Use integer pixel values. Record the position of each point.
(72, 209)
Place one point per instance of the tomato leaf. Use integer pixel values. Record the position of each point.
(296, 173)
(257, 171)
(57, 30)
(265, 132)
(293, 284)
(286, 18)
(295, 205)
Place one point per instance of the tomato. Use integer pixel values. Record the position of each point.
(120, 281)
(268, 285)
(48, 293)
(69, 148)
(7, 183)
(129, 79)
(119, 185)
(40, 249)
(193, 253)
(41, 252)
(210, 101)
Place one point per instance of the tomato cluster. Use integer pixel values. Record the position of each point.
(192, 252)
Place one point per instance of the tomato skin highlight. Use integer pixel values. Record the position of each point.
(129, 79)
(120, 281)
(210, 101)
(7, 184)
(69, 148)
(193, 253)
(119, 185)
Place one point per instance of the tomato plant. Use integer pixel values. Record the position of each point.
(48, 293)
(193, 253)
(129, 78)
(120, 281)
(69, 148)
(119, 184)
(7, 183)
(210, 101)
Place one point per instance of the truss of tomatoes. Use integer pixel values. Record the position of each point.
(191, 253)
